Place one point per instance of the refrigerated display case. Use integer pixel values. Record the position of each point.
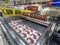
(24, 32)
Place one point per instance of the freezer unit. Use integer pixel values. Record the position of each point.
(25, 32)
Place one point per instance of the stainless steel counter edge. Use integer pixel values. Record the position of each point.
(8, 35)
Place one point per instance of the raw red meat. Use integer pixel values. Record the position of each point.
(30, 40)
(36, 33)
(34, 36)
(19, 31)
(24, 35)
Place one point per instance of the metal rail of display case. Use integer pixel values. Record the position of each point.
(9, 36)
(51, 41)
(3, 38)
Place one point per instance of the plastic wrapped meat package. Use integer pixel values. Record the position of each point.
(29, 34)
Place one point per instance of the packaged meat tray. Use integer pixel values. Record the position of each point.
(29, 34)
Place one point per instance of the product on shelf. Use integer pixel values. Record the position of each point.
(39, 17)
(32, 8)
(29, 34)
(36, 16)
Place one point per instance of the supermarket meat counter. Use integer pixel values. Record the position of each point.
(25, 32)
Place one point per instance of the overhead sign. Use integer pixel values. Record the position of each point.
(55, 3)
(55, 0)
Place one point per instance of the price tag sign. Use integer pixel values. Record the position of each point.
(13, 12)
